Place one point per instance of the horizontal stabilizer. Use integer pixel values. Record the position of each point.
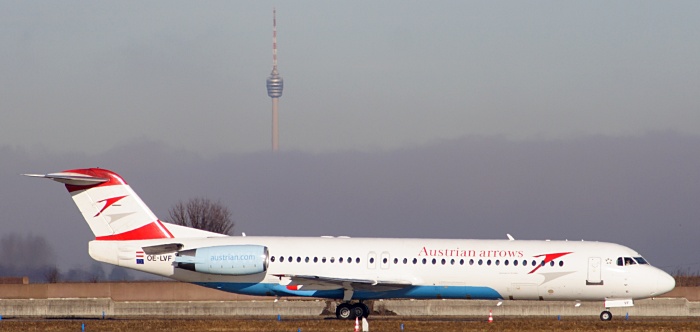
(74, 179)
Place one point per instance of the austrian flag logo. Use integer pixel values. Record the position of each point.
(139, 257)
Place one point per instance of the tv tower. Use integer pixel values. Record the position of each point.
(274, 84)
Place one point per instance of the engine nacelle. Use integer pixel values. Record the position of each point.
(227, 260)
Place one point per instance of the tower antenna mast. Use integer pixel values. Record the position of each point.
(274, 85)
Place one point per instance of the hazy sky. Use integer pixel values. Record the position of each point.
(548, 119)
(359, 75)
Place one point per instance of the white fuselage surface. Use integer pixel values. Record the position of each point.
(430, 268)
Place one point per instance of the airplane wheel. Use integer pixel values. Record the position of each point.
(365, 308)
(343, 311)
(605, 316)
(359, 310)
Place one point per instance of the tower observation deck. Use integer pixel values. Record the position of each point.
(275, 84)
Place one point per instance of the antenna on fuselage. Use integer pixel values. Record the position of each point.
(510, 237)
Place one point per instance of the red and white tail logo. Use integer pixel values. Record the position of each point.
(109, 205)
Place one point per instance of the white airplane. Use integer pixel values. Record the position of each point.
(128, 234)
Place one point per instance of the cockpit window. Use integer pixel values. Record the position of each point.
(624, 261)
(641, 260)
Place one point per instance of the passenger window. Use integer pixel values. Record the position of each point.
(471, 262)
(524, 262)
(371, 260)
(506, 262)
(315, 259)
(488, 262)
(272, 259)
(561, 263)
(396, 261)
(443, 261)
(349, 259)
(323, 260)
(498, 262)
(357, 260)
(425, 260)
(481, 262)
(434, 261)
(405, 260)
(282, 259)
(534, 263)
(515, 262)
(306, 259)
(384, 260)
(298, 259)
(461, 262)
(415, 261)
(452, 261)
(551, 263)
(340, 260)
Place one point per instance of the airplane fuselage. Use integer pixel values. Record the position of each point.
(128, 234)
(434, 268)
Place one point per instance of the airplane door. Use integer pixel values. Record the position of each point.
(385, 259)
(371, 260)
(594, 274)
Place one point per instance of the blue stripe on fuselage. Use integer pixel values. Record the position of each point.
(411, 292)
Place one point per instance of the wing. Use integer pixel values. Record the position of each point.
(309, 282)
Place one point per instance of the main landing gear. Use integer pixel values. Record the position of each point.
(605, 316)
(346, 310)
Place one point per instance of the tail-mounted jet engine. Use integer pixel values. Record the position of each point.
(227, 260)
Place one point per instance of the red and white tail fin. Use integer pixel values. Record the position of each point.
(112, 209)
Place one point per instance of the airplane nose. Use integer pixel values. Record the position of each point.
(664, 283)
